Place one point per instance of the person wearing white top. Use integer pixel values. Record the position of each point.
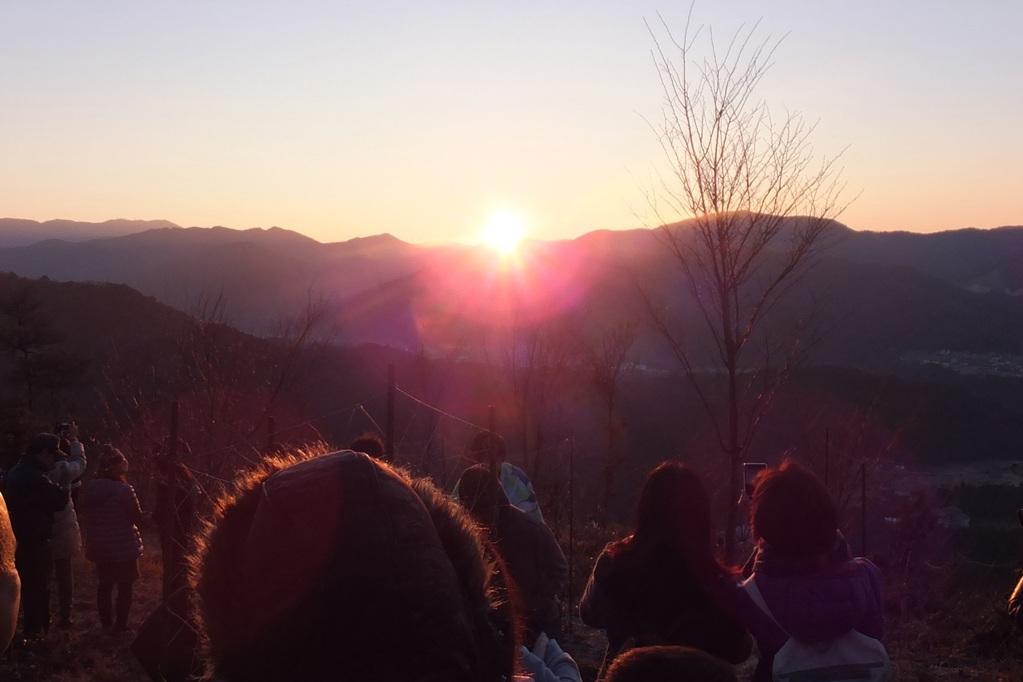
(66, 542)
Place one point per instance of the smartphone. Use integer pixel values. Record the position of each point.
(750, 471)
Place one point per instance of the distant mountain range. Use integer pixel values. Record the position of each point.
(20, 232)
(980, 260)
(878, 295)
(262, 274)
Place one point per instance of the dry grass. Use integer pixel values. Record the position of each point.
(87, 653)
(975, 640)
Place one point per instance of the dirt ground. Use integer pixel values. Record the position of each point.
(86, 652)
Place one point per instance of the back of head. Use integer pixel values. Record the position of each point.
(481, 494)
(486, 445)
(668, 664)
(674, 512)
(42, 442)
(174, 472)
(338, 567)
(112, 464)
(792, 512)
(370, 444)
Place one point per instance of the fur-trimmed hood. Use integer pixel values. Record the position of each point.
(340, 567)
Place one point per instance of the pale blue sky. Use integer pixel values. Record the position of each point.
(421, 119)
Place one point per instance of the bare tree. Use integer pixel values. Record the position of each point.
(295, 335)
(531, 358)
(759, 203)
(30, 339)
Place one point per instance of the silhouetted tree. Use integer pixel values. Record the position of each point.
(760, 205)
(531, 360)
(606, 350)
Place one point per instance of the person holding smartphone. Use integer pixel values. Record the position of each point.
(66, 542)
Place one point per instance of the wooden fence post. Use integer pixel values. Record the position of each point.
(492, 442)
(168, 524)
(863, 508)
(827, 456)
(172, 446)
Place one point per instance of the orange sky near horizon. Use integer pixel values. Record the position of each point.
(341, 120)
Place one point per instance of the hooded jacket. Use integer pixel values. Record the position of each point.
(814, 601)
(529, 549)
(339, 567)
(111, 516)
(518, 489)
(537, 565)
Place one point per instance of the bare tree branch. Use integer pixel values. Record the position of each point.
(759, 200)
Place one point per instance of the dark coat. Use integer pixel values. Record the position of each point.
(537, 566)
(32, 500)
(110, 517)
(813, 601)
(652, 597)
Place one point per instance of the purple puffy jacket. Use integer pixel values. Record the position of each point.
(110, 517)
(814, 602)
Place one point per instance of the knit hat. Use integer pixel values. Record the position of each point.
(112, 461)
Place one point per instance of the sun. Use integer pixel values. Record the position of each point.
(504, 232)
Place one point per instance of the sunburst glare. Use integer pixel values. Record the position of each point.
(504, 232)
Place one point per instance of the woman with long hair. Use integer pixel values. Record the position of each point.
(663, 583)
(111, 518)
(807, 591)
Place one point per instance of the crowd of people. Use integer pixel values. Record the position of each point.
(49, 512)
(337, 565)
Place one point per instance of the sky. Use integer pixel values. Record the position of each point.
(340, 119)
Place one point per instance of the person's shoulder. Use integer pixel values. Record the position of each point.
(16, 472)
(867, 569)
(516, 471)
(862, 563)
(25, 477)
(23, 468)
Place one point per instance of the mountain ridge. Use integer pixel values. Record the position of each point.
(941, 281)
